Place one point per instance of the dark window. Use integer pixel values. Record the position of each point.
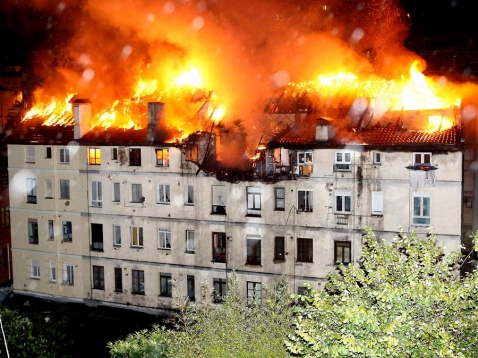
(51, 230)
(253, 250)
(135, 156)
(219, 247)
(64, 189)
(5, 213)
(304, 250)
(191, 288)
(97, 237)
(279, 248)
(98, 277)
(118, 279)
(162, 157)
(220, 290)
(342, 252)
(116, 192)
(138, 281)
(48, 152)
(32, 232)
(166, 285)
(279, 198)
(67, 231)
(114, 153)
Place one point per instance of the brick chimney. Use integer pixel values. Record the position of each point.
(82, 111)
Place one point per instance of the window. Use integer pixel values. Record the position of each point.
(377, 158)
(279, 198)
(94, 156)
(166, 285)
(163, 194)
(164, 239)
(305, 201)
(114, 153)
(377, 202)
(5, 216)
(97, 237)
(48, 188)
(343, 202)
(343, 161)
(52, 271)
(96, 194)
(137, 236)
(162, 157)
(51, 231)
(253, 250)
(98, 277)
(191, 152)
(135, 157)
(48, 153)
(191, 288)
(253, 201)
(118, 279)
(305, 250)
(342, 252)
(29, 154)
(254, 292)
(138, 281)
(189, 240)
(35, 268)
(421, 209)
(220, 290)
(67, 231)
(189, 195)
(305, 158)
(32, 231)
(422, 158)
(218, 199)
(219, 247)
(116, 192)
(64, 189)
(31, 190)
(64, 155)
(136, 193)
(279, 248)
(117, 235)
(68, 276)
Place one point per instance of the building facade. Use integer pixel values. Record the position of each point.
(118, 217)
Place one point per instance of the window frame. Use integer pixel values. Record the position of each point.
(96, 194)
(33, 231)
(114, 153)
(138, 286)
(306, 155)
(377, 158)
(5, 216)
(117, 192)
(52, 271)
(164, 239)
(118, 279)
(69, 274)
(139, 230)
(94, 156)
(343, 195)
(31, 190)
(341, 164)
(65, 189)
(30, 154)
(342, 245)
(116, 235)
(189, 196)
(64, 155)
(136, 195)
(421, 216)
(191, 287)
(162, 160)
(422, 156)
(97, 243)
(278, 197)
(254, 292)
(253, 198)
(134, 157)
(219, 251)
(305, 250)
(164, 194)
(98, 277)
(48, 189)
(253, 250)
(35, 273)
(51, 229)
(308, 205)
(190, 241)
(48, 153)
(218, 196)
(67, 229)
(165, 284)
(221, 293)
(279, 248)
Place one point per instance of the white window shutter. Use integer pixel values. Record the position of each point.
(377, 202)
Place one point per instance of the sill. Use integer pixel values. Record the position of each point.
(71, 240)
(224, 213)
(31, 202)
(303, 262)
(137, 247)
(162, 166)
(99, 288)
(168, 203)
(48, 197)
(35, 278)
(279, 209)
(166, 296)
(278, 261)
(138, 293)
(253, 216)
(118, 291)
(51, 239)
(117, 245)
(33, 243)
(98, 250)
(219, 261)
(189, 252)
(64, 198)
(116, 201)
(187, 204)
(305, 211)
(167, 249)
(250, 264)
(96, 206)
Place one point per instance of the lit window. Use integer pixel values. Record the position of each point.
(166, 285)
(343, 202)
(164, 239)
(98, 277)
(343, 161)
(94, 156)
(342, 252)
(64, 155)
(162, 157)
(305, 200)
(421, 209)
(163, 194)
(136, 236)
(305, 252)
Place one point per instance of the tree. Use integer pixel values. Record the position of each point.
(404, 300)
(236, 328)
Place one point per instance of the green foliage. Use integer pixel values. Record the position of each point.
(31, 337)
(405, 300)
(236, 328)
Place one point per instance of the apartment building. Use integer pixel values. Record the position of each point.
(117, 216)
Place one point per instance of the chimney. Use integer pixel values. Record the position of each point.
(82, 110)
(323, 130)
(156, 114)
